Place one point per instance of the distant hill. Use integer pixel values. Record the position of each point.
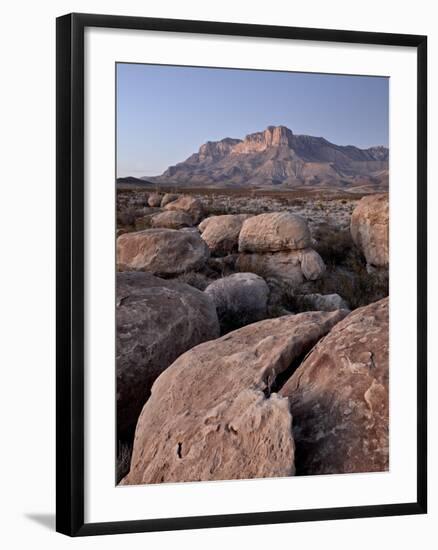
(276, 157)
(130, 181)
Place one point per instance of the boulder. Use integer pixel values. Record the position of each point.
(221, 233)
(293, 266)
(320, 302)
(172, 220)
(240, 299)
(370, 229)
(213, 414)
(167, 198)
(312, 265)
(339, 397)
(188, 204)
(157, 321)
(274, 232)
(203, 225)
(281, 265)
(154, 199)
(145, 220)
(161, 251)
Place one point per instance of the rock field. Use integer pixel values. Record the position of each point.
(252, 335)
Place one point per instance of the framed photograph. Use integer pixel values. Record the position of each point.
(241, 333)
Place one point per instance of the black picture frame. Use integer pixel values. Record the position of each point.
(70, 273)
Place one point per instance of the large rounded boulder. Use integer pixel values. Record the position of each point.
(339, 397)
(172, 220)
(274, 232)
(154, 199)
(221, 233)
(370, 229)
(157, 321)
(192, 206)
(144, 221)
(214, 413)
(161, 251)
(293, 266)
(167, 198)
(240, 299)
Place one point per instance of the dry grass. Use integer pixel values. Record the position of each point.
(358, 288)
(334, 245)
(347, 273)
(194, 279)
(124, 452)
(126, 217)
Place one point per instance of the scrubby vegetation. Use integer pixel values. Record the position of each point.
(124, 451)
(347, 273)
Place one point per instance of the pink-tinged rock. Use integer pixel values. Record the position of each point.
(339, 397)
(161, 251)
(167, 198)
(188, 204)
(293, 266)
(370, 229)
(214, 414)
(172, 220)
(221, 233)
(274, 232)
(280, 265)
(312, 265)
(154, 199)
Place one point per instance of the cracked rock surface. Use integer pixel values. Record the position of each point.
(213, 414)
(339, 397)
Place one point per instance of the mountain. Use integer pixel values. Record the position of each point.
(278, 157)
(131, 182)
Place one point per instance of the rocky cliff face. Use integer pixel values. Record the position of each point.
(277, 156)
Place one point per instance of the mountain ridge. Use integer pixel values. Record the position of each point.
(278, 157)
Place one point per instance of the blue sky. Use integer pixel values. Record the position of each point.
(164, 113)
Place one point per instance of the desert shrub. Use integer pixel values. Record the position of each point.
(346, 273)
(144, 222)
(357, 286)
(334, 245)
(195, 279)
(126, 217)
(229, 321)
(124, 452)
(221, 266)
(280, 297)
(295, 202)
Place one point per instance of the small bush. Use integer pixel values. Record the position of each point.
(194, 279)
(334, 245)
(124, 452)
(221, 266)
(126, 217)
(357, 286)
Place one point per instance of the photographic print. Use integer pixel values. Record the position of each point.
(252, 274)
(233, 347)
